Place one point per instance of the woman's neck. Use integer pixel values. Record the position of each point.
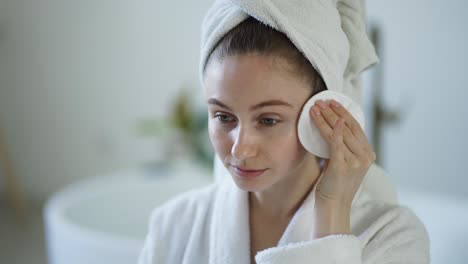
(283, 199)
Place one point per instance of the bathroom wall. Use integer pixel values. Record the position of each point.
(77, 75)
(424, 72)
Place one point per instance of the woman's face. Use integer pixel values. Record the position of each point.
(254, 105)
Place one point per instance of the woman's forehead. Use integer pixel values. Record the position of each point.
(253, 78)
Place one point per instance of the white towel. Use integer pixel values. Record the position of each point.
(330, 33)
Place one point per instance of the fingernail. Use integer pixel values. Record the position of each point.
(335, 103)
(322, 104)
(316, 110)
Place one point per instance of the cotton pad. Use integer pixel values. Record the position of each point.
(309, 135)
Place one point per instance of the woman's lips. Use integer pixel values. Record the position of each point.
(248, 173)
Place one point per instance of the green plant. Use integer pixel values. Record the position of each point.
(191, 124)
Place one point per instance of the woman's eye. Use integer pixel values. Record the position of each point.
(224, 118)
(269, 121)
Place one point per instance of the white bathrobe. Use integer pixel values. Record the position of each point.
(211, 225)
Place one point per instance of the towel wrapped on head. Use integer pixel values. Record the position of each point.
(331, 34)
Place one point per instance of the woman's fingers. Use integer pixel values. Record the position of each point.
(339, 150)
(350, 121)
(356, 129)
(337, 145)
(325, 130)
(353, 144)
(332, 135)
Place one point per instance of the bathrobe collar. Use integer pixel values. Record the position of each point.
(230, 235)
(230, 231)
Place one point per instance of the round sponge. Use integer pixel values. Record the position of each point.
(308, 133)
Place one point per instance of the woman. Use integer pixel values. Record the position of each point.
(281, 204)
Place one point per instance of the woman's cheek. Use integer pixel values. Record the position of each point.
(279, 132)
(219, 139)
(287, 144)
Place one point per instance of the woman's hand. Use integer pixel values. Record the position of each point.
(350, 158)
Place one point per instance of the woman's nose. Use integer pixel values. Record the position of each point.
(245, 145)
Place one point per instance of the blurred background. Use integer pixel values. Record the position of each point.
(96, 94)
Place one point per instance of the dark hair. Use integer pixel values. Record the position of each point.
(252, 36)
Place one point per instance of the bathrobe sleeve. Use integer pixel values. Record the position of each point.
(396, 237)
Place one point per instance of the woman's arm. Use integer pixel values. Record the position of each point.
(394, 236)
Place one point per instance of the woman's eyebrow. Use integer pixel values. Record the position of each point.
(274, 102)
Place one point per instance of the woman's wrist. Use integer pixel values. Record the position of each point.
(331, 218)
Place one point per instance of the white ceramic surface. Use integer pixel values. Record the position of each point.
(105, 219)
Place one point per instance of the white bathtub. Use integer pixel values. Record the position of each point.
(104, 220)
